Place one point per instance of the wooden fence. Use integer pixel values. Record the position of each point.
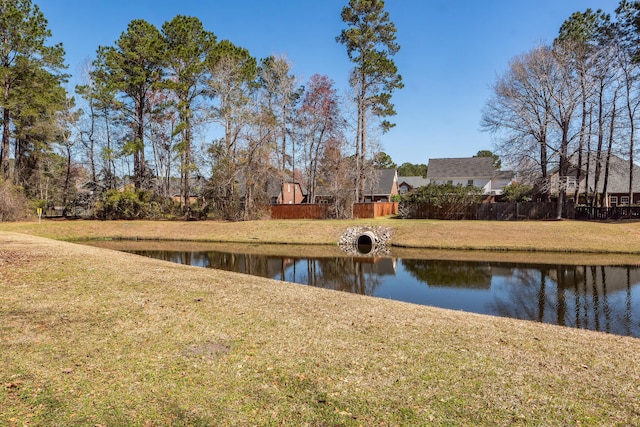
(374, 210)
(516, 211)
(617, 212)
(487, 211)
(323, 210)
(301, 211)
(480, 211)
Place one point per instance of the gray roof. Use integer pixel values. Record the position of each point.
(413, 181)
(381, 183)
(618, 181)
(463, 167)
(504, 174)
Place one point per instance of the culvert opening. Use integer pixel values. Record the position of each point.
(364, 244)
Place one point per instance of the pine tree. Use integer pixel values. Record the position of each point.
(24, 54)
(370, 39)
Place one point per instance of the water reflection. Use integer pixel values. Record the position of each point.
(601, 298)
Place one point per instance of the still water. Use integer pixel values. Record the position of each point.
(596, 297)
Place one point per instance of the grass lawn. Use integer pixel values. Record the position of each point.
(90, 336)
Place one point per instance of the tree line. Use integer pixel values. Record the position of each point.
(175, 118)
(572, 105)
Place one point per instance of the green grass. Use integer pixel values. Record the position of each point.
(91, 336)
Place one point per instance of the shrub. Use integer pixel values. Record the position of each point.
(128, 204)
(13, 204)
(517, 192)
(444, 194)
(446, 201)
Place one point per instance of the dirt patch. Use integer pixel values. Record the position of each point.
(16, 258)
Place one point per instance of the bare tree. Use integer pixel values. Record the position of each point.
(281, 94)
(321, 123)
(519, 112)
(232, 75)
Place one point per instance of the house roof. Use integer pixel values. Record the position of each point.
(413, 181)
(462, 167)
(504, 174)
(618, 181)
(381, 182)
(274, 186)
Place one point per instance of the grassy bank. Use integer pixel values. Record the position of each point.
(91, 336)
(554, 236)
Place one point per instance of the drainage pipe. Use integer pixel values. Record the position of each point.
(366, 242)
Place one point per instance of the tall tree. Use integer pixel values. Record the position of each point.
(66, 139)
(585, 40)
(410, 169)
(565, 93)
(281, 95)
(383, 161)
(321, 123)
(628, 38)
(23, 35)
(188, 45)
(232, 72)
(370, 39)
(38, 97)
(132, 70)
(497, 163)
(97, 133)
(519, 113)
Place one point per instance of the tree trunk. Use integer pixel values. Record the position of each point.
(6, 134)
(363, 137)
(564, 167)
(67, 181)
(608, 159)
(138, 156)
(583, 130)
(186, 190)
(598, 171)
(544, 165)
(632, 128)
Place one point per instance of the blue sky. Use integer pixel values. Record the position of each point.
(451, 51)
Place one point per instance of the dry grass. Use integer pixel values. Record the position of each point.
(554, 236)
(91, 336)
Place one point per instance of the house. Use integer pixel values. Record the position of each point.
(410, 183)
(381, 186)
(286, 193)
(471, 171)
(617, 193)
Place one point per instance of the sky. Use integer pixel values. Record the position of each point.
(451, 52)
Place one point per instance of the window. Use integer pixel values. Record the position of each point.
(449, 181)
(568, 182)
(624, 200)
(613, 201)
(470, 183)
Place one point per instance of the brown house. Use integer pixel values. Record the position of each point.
(288, 193)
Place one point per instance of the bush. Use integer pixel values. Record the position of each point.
(13, 204)
(517, 192)
(127, 204)
(444, 194)
(446, 201)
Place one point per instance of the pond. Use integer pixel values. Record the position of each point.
(578, 292)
